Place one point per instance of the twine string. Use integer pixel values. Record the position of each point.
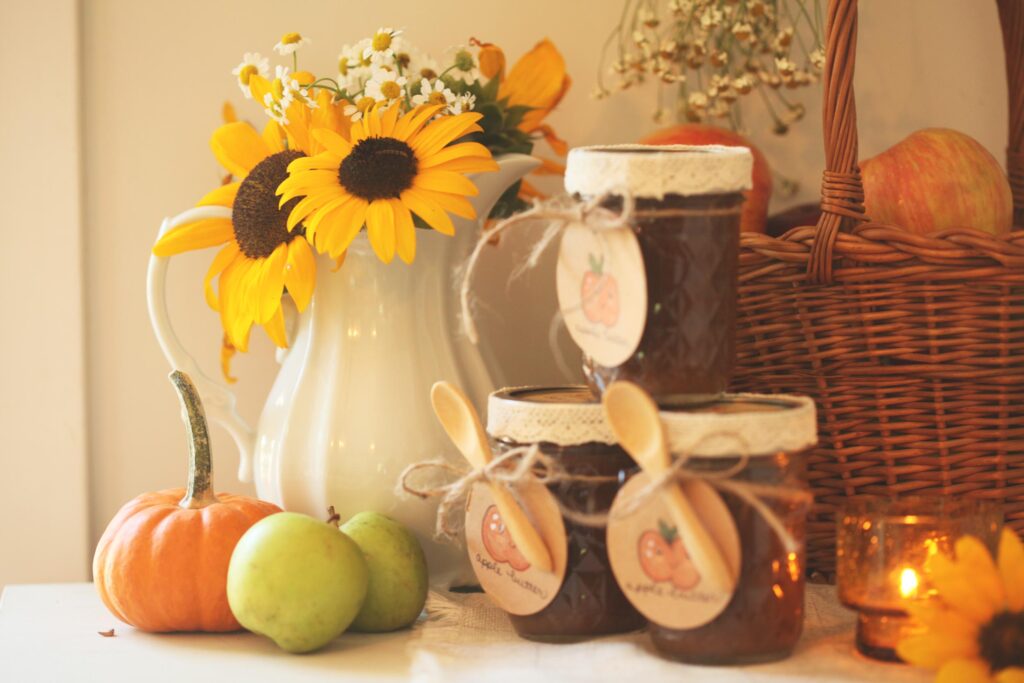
(560, 212)
(518, 465)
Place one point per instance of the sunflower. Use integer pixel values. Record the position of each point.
(261, 254)
(387, 169)
(974, 630)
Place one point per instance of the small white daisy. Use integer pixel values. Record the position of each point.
(355, 110)
(463, 103)
(382, 46)
(291, 88)
(289, 43)
(253, 64)
(465, 65)
(385, 85)
(434, 93)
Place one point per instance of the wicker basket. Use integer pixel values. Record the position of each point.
(912, 347)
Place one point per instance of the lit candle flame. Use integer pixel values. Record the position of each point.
(908, 582)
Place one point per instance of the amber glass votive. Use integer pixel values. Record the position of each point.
(884, 554)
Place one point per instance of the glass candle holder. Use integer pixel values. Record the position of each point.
(885, 549)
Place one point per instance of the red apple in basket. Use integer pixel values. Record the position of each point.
(937, 179)
(755, 208)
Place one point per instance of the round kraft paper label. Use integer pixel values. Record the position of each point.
(504, 573)
(602, 291)
(651, 562)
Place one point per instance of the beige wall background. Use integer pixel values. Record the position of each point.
(153, 76)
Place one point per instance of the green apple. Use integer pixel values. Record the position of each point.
(297, 580)
(398, 572)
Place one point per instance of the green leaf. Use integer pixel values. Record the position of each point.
(667, 531)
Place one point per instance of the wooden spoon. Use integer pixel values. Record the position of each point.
(636, 423)
(460, 420)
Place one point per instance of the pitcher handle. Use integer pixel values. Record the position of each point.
(219, 400)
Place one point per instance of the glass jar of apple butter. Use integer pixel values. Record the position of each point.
(764, 618)
(686, 210)
(568, 425)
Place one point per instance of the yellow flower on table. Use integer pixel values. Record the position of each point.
(387, 169)
(974, 630)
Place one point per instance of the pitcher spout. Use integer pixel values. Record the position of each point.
(511, 168)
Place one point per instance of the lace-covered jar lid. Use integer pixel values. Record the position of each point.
(653, 171)
(742, 424)
(564, 415)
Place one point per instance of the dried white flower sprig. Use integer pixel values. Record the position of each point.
(715, 53)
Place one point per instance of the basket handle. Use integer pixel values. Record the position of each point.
(842, 193)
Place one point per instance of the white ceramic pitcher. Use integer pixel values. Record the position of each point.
(350, 406)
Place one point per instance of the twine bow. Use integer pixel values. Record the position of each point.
(561, 212)
(510, 469)
(523, 463)
(750, 493)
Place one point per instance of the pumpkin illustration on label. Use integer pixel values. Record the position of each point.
(599, 294)
(663, 557)
(498, 542)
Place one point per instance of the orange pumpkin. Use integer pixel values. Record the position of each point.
(162, 563)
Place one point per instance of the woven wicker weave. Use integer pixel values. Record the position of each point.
(912, 347)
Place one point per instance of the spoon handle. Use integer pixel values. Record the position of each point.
(710, 563)
(523, 534)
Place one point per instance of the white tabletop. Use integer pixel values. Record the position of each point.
(50, 633)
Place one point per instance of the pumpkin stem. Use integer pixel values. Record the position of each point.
(199, 493)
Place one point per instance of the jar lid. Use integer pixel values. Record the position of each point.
(653, 171)
(765, 424)
(564, 415)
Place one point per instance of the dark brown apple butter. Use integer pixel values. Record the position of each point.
(687, 202)
(690, 247)
(568, 425)
(764, 619)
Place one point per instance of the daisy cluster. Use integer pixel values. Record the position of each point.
(382, 69)
(713, 53)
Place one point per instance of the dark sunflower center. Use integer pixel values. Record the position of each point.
(260, 226)
(1002, 641)
(378, 168)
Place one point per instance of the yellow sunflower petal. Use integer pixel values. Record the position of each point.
(412, 122)
(445, 181)
(963, 671)
(221, 261)
(236, 325)
(300, 272)
(388, 120)
(271, 285)
(932, 650)
(332, 142)
(967, 586)
(1011, 569)
(380, 228)
(457, 151)
(405, 232)
(304, 182)
(937, 618)
(467, 165)
(273, 136)
(442, 132)
(337, 200)
(222, 196)
(307, 205)
(275, 329)
(420, 203)
(537, 80)
(452, 203)
(227, 352)
(1011, 675)
(320, 162)
(342, 227)
(238, 147)
(208, 232)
